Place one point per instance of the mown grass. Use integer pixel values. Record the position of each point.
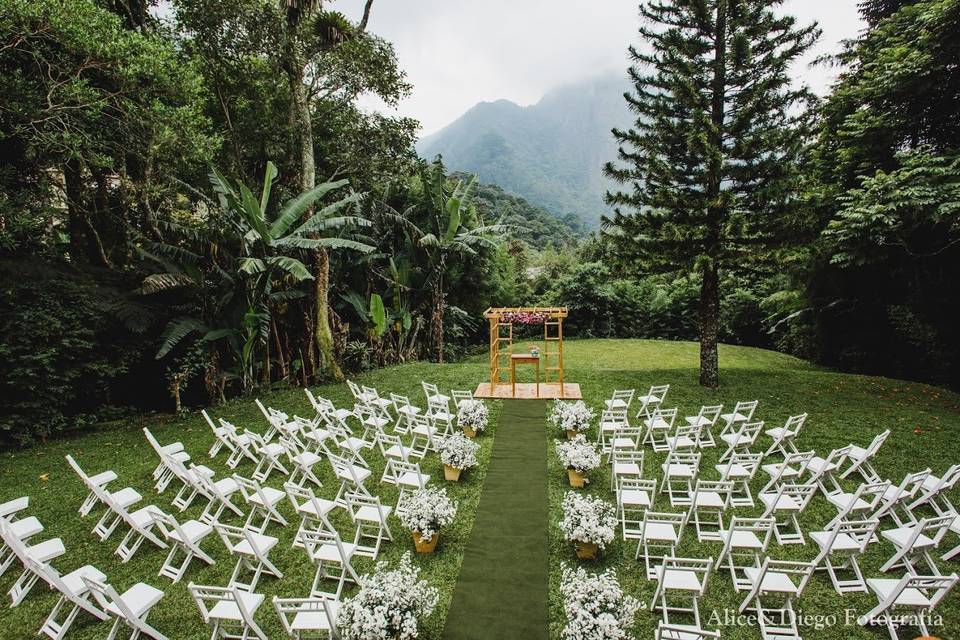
(843, 408)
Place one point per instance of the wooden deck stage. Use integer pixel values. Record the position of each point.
(528, 391)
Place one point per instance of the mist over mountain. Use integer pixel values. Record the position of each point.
(551, 153)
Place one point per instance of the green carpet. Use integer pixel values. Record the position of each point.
(502, 588)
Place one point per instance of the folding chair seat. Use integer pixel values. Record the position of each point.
(658, 426)
(634, 497)
(22, 530)
(860, 459)
(314, 617)
(626, 438)
(101, 480)
(916, 543)
(625, 463)
(332, 556)
(392, 446)
(740, 469)
(268, 457)
(309, 507)
(185, 539)
(684, 438)
(74, 597)
(785, 507)
(301, 461)
(129, 609)
(660, 534)
(742, 412)
(823, 470)
(934, 491)
(848, 540)
(140, 522)
(897, 499)
(863, 504)
(404, 411)
(912, 598)
(621, 399)
(373, 399)
(432, 393)
(220, 493)
(42, 553)
(652, 400)
(252, 550)
(684, 632)
(785, 581)
(791, 469)
(710, 499)
(612, 422)
(706, 419)
(228, 611)
(680, 472)
(681, 583)
(783, 436)
(406, 476)
(352, 478)
(122, 499)
(263, 502)
(370, 518)
(740, 440)
(745, 544)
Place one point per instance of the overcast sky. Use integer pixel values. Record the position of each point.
(460, 52)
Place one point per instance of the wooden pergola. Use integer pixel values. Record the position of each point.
(502, 353)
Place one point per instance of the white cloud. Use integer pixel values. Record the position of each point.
(460, 52)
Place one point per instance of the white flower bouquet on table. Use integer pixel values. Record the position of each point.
(458, 453)
(596, 606)
(579, 457)
(588, 522)
(472, 416)
(572, 417)
(389, 604)
(425, 512)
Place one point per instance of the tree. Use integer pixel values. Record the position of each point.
(710, 161)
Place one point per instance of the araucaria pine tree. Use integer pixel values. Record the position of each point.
(708, 171)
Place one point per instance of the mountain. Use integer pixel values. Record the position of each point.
(528, 222)
(551, 153)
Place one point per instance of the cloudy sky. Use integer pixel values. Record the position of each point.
(460, 52)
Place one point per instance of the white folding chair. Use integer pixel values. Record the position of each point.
(823, 470)
(263, 503)
(101, 480)
(683, 632)
(742, 412)
(373, 398)
(221, 439)
(459, 396)
(163, 474)
(370, 518)
(783, 436)
(74, 597)
(228, 611)
(658, 427)
(861, 459)
(129, 609)
(848, 540)
(372, 420)
(659, 536)
(352, 477)
(309, 507)
(745, 545)
(686, 437)
(220, 493)
(140, 522)
(740, 439)
(268, 456)
(740, 468)
(625, 464)
(252, 550)
(621, 399)
(916, 543)
(652, 400)
(706, 419)
(897, 500)
(710, 499)
(332, 556)
(634, 497)
(785, 506)
(432, 393)
(277, 420)
(21, 529)
(242, 445)
(863, 504)
(910, 599)
(612, 422)
(791, 469)
(42, 552)
(681, 583)
(934, 491)
(184, 539)
(680, 472)
(407, 477)
(314, 617)
(404, 411)
(391, 446)
(302, 462)
(781, 579)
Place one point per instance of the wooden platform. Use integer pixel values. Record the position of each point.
(528, 391)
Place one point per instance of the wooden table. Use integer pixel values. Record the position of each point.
(523, 358)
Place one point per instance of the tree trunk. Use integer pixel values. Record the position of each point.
(436, 322)
(716, 211)
(324, 335)
(709, 322)
(76, 225)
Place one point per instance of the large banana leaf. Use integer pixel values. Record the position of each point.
(290, 265)
(268, 177)
(296, 207)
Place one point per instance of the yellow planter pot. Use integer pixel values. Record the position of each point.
(425, 546)
(571, 434)
(451, 473)
(470, 433)
(577, 479)
(587, 550)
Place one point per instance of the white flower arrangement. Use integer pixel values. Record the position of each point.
(426, 511)
(459, 452)
(578, 453)
(596, 606)
(473, 414)
(389, 604)
(571, 416)
(587, 519)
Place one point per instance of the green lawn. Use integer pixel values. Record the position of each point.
(842, 408)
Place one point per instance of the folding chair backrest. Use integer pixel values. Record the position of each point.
(290, 609)
(399, 401)
(711, 413)
(746, 409)
(877, 442)
(911, 484)
(689, 458)
(722, 487)
(949, 479)
(860, 531)
(429, 389)
(356, 501)
(749, 461)
(936, 527)
(870, 492)
(79, 471)
(667, 415)
(204, 595)
(939, 585)
(658, 393)
(667, 631)
(760, 527)
(678, 520)
(795, 423)
(355, 390)
(460, 396)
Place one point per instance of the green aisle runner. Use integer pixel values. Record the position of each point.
(502, 588)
